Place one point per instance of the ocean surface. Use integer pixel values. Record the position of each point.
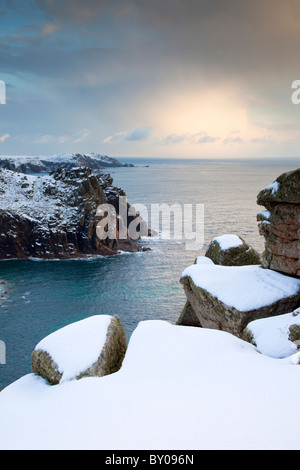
(43, 296)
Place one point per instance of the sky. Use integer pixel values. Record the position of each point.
(149, 78)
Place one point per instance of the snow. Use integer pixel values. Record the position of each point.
(204, 260)
(227, 241)
(179, 388)
(271, 334)
(63, 158)
(273, 187)
(244, 287)
(77, 346)
(265, 214)
(25, 195)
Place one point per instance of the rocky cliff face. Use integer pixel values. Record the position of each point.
(55, 216)
(280, 223)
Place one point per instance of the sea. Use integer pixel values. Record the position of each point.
(43, 296)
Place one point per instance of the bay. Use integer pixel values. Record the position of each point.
(43, 296)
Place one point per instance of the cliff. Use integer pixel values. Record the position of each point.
(48, 163)
(55, 216)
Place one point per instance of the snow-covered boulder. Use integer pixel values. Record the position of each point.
(276, 337)
(229, 297)
(94, 346)
(231, 250)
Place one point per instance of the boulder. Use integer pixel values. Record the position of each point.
(276, 337)
(91, 347)
(280, 223)
(229, 297)
(231, 250)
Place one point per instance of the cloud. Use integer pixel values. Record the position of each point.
(207, 139)
(196, 138)
(83, 135)
(233, 140)
(4, 137)
(43, 139)
(62, 139)
(50, 28)
(140, 133)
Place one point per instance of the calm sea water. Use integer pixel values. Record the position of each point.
(46, 295)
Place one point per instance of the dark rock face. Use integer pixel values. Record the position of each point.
(280, 224)
(55, 216)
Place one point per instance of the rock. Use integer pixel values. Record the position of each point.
(280, 223)
(229, 297)
(188, 317)
(231, 250)
(276, 337)
(92, 347)
(294, 334)
(55, 216)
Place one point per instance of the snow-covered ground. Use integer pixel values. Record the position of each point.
(27, 196)
(179, 388)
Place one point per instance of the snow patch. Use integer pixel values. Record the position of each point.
(228, 241)
(273, 187)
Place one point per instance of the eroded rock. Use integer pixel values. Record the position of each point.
(280, 223)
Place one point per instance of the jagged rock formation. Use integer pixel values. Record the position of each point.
(48, 163)
(55, 216)
(280, 223)
(216, 294)
(92, 347)
(231, 250)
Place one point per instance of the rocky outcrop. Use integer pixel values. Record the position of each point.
(280, 223)
(213, 297)
(48, 163)
(93, 347)
(228, 298)
(231, 250)
(55, 216)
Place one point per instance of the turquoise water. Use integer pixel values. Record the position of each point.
(46, 295)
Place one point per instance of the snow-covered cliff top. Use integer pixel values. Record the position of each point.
(46, 163)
